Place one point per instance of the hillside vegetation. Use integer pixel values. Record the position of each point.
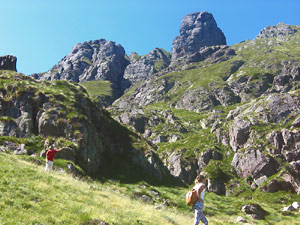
(31, 196)
(230, 112)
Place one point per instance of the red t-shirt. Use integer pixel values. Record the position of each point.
(50, 154)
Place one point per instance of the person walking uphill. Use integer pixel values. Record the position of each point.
(199, 187)
(50, 158)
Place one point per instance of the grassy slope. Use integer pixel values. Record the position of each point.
(28, 195)
(98, 88)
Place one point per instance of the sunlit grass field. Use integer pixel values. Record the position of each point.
(28, 195)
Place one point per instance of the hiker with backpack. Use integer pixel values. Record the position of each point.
(195, 197)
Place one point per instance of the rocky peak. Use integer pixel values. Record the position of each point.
(142, 67)
(92, 60)
(279, 30)
(197, 30)
(8, 62)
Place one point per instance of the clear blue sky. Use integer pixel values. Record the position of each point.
(41, 32)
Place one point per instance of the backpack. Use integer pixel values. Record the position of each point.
(191, 197)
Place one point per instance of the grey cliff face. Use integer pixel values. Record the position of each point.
(8, 62)
(279, 30)
(93, 60)
(197, 30)
(143, 67)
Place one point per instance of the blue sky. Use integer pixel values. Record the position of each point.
(41, 32)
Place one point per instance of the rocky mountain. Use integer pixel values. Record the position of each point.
(105, 60)
(229, 111)
(93, 60)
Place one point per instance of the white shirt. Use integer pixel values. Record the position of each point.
(197, 187)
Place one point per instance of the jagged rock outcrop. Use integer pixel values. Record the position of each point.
(142, 67)
(197, 30)
(92, 60)
(8, 62)
(280, 30)
(147, 93)
(254, 163)
(208, 155)
(239, 133)
(180, 169)
(65, 112)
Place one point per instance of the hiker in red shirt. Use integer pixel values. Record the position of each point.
(49, 158)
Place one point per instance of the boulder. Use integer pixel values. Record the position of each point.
(288, 208)
(279, 185)
(290, 177)
(260, 180)
(254, 163)
(180, 169)
(159, 139)
(197, 30)
(240, 219)
(295, 167)
(8, 62)
(239, 133)
(280, 106)
(225, 96)
(206, 156)
(275, 138)
(134, 119)
(296, 205)
(21, 150)
(216, 186)
(50, 125)
(255, 211)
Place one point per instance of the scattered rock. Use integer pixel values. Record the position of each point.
(260, 180)
(280, 30)
(288, 208)
(21, 150)
(159, 139)
(255, 211)
(275, 185)
(296, 205)
(240, 220)
(95, 222)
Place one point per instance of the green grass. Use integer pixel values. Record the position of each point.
(28, 195)
(98, 88)
(31, 196)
